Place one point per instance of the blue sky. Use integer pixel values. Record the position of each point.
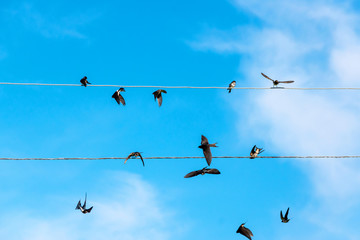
(202, 43)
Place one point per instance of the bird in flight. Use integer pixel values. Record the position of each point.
(255, 151)
(157, 95)
(205, 146)
(231, 86)
(284, 219)
(202, 172)
(84, 81)
(245, 231)
(83, 207)
(135, 155)
(117, 96)
(276, 82)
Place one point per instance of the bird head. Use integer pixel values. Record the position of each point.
(121, 90)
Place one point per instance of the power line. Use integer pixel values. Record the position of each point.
(119, 158)
(182, 87)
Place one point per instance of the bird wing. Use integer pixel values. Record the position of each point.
(287, 212)
(204, 140)
(116, 97)
(248, 232)
(192, 174)
(84, 206)
(281, 215)
(267, 77)
(286, 81)
(253, 150)
(159, 99)
(142, 159)
(130, 155)
(156, 93)
(121, 99)
(78, 205)
(208, 155)
(212, 171)
(89, 210)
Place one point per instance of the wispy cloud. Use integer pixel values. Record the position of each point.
(316, 44)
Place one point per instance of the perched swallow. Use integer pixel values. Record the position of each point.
(135, 155)
(119, 99)
(255, 151)
(202, 172)
(157, 95)
(245, 231)
(83, 207)
(84, 81)
(276, 82)
(205, 146)
(231, 86)
(284, 219)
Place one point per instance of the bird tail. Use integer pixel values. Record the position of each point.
(229, 90)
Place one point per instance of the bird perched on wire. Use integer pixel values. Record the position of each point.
(157, 95)
(83, 207)
(205, 146)
(231, 86)
(284, 219)
(135, 155)
(202, 172)
(84, 81)
(255, 151)
(117, 96)
(245, 231)
(276, 82)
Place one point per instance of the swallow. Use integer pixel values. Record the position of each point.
(276, 82)
(117, 96)
(202, 172)
(231, 86)
(135, 155)
(84, 81)
(205, 146)
(83, 207)
(245, 231)
(284, 219)
(255, 151)
(157, 95)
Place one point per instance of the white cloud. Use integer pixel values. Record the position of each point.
(315, 43)
(128, 208)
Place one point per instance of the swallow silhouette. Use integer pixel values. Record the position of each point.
(117, 96)
(202, 172)
(83, 207)
(205, 146)
(276, 82)
(255, 151)
(135, 155)
(231, 86)
(157, 95)
(285, 219)
(245, 231)
(84, 81)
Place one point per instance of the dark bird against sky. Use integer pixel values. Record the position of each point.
(157, 95)
(202, 172)
(255, 151)
(117, 96)
(231, 86)
(276, 82)
(245, 231)
(84, 81)
(205, 146)
(135, 155)
(83, 207)
(285, 219)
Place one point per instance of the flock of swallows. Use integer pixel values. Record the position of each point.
(157, 94)
(205, 146)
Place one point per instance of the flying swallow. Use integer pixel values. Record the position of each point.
(157, 95)
(205, 146)
(83, 207)
(284, 219)
(202, 172)
(84, 81)
(135, 155)
(276, 82)
(117, 96)
(231, 86)
(255, 151)
(245, 231)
